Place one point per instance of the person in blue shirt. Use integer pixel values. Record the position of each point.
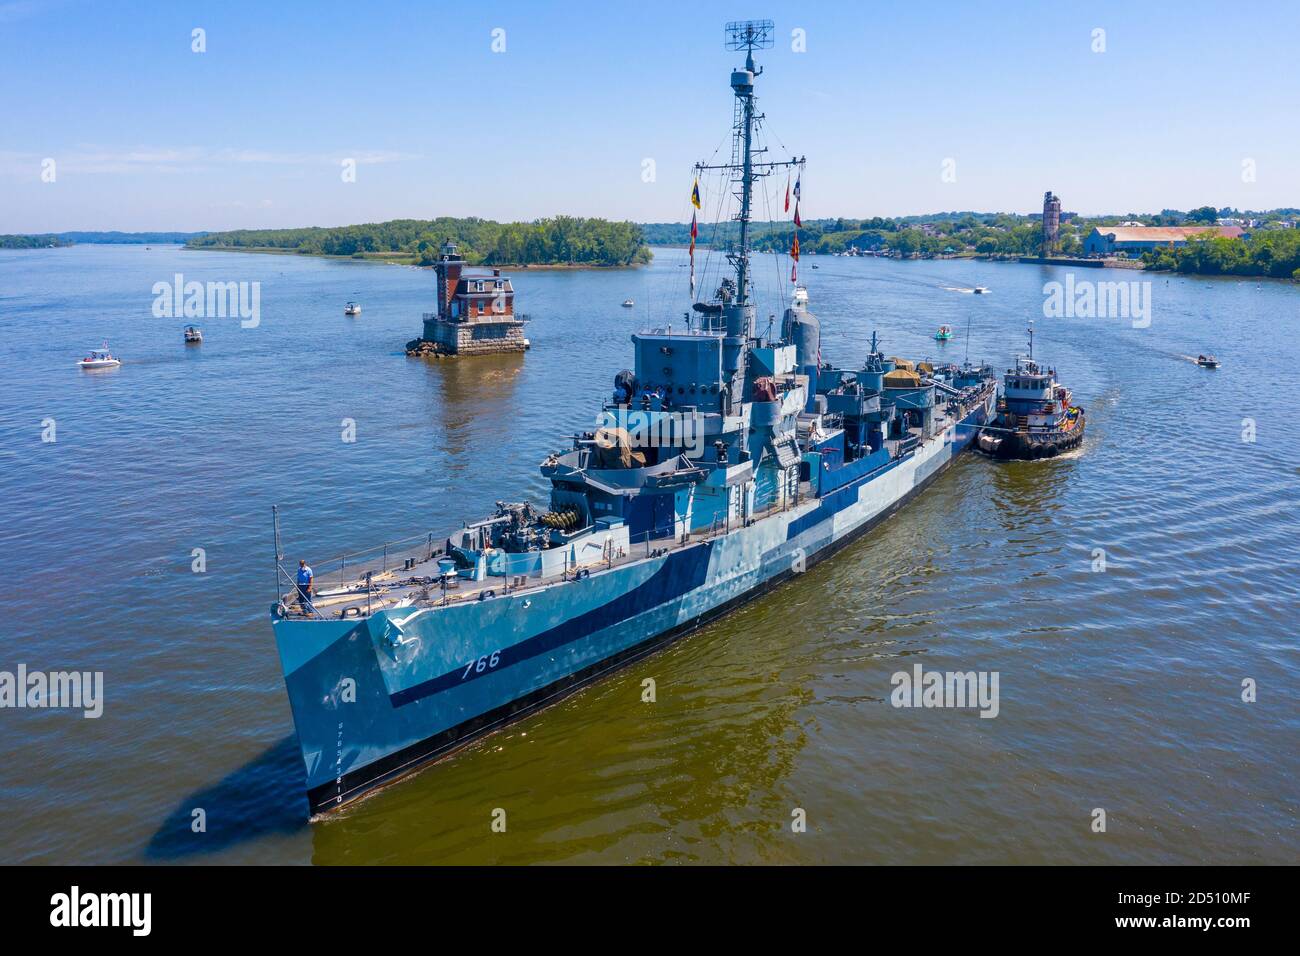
(304, 585)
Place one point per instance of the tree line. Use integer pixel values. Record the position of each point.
(1269, 250)
(943, 233)
(31, 242)
(98, 238)
(557, 240)
(1273, 252)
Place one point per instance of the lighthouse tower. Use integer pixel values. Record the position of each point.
(450, 262)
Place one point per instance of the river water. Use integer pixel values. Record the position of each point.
(1119, 689)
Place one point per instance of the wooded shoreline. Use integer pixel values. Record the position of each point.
(403, 259)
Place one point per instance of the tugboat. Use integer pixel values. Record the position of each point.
(1207, 361)
(193, 335)
(352, 309)
(1035, 416)
(944, 333)
(725, 463)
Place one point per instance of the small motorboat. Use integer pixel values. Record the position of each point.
(628, 303)
(944, 333)
(1207, 361)
(352, 309)
(980, 289)
(193, 334)
(99, 358)
(816, 266)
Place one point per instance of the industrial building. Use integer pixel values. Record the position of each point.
(1134, 240)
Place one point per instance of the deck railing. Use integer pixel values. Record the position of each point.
(367, 571)
(352, 567)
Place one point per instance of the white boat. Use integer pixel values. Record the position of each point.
(1207, 361)
(99, 358)
(352, 309)
(628, 303)
(193, 333)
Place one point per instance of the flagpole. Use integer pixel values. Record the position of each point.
(695, 201)
(794, 249)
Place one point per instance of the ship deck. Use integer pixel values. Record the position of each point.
(409, 576)
(416, 581)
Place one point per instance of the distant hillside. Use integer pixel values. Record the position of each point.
(71, 238)
(562, 240)
(30, 242)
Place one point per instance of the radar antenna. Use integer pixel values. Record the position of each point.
(749, 35)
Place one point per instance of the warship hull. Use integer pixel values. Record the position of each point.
(369, 711)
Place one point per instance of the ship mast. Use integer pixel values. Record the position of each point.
(746, 35)
(737, 315)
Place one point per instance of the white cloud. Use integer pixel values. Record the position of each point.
(363, 157)
(90, 159)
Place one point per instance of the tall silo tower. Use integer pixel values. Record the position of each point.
(1051, 223)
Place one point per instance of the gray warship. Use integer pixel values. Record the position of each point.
(727, 462)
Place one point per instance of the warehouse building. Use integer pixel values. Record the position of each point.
(1135, 240)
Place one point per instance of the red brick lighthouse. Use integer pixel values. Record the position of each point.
(476, 311)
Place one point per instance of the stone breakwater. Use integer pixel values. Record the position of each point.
(428, 348)
(423, 348)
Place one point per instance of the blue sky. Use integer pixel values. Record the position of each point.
(146, 134)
